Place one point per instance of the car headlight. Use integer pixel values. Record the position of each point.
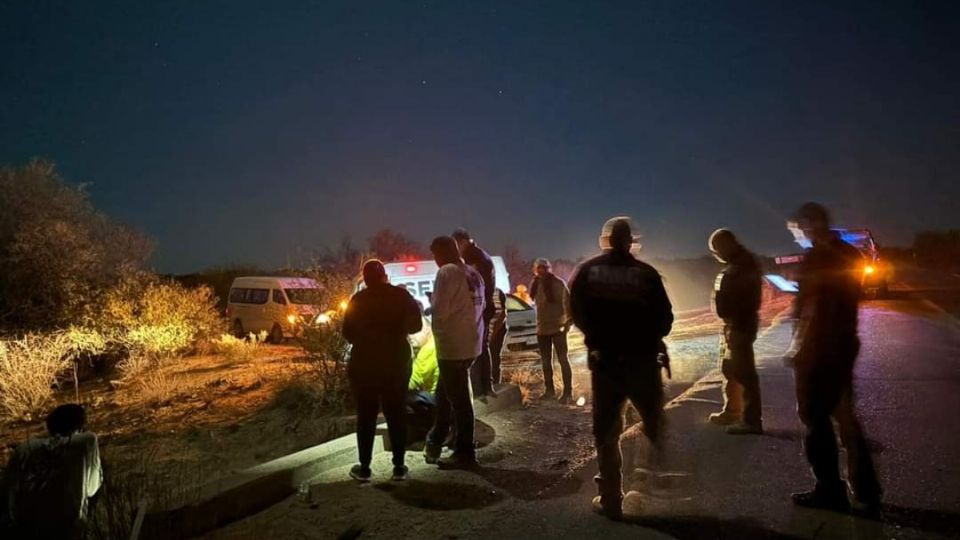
(292, 319)
(869, 269)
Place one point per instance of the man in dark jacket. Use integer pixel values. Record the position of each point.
(377, 322)
(481, 373)
(622, 308)
(498, 333)
(736, 300)
(826, 345)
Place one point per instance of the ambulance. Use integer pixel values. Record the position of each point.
(418, 277)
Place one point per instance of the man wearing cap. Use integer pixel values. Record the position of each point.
(736, 301)
(474, 256)
(552, 298)
(377, 322)
(823, 355)
(622, 308)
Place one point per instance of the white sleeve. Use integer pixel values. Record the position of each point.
(443, 291)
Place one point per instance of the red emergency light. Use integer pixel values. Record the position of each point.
(410, 268)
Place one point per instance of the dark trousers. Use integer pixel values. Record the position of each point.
(741, 385)
(497, 337)
(482, 371)
(454, 403)
(825, 393)
(371, 397)
(547, 345)
(616, 378)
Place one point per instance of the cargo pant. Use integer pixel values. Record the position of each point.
(615, 379)
(824, 395)
(741, 385)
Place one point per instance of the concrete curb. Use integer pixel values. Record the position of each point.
(264, 485)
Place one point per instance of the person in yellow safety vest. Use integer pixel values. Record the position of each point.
(426, 371)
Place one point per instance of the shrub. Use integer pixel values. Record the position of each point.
(327, 352)
(240, 350)
(29, 367)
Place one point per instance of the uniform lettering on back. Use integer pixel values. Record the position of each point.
(618, 282)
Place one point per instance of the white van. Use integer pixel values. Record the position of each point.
(418, 278)
(276, 305)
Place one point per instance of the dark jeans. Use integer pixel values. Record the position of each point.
(482, 371)
(371, 396)
(825, 392)
(616, 378)
(741, 385)
(547, 344)
(454, 402)
(497, 337)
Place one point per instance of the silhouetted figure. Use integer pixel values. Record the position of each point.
(472, 255)
(736, 300)
(622, 308)
(50, 482)
(377, 322)
(498, 333)
(458, 328)
(826, 345)
(552, 298)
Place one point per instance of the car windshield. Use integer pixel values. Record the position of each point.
(304, 296)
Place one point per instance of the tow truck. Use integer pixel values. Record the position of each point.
(876, 273)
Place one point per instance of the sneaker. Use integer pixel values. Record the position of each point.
(836, 502)
(742, 428)
(614, 512)
(723, 419)
(459, 460)
(431, 453)
(360, 473)
(400, 473)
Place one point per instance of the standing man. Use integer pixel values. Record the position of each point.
(552, 298)
(622, 308)
(498, 333)
(458, 328)
(481, 262)
(736, 301)
(377, 322)
(826, 345)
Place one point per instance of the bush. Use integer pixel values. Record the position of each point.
(152, 319)
(29, 367)
(238, 349)
(57, 252)
(327, 352)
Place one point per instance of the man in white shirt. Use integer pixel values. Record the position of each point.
(50, 481)
(457, 305)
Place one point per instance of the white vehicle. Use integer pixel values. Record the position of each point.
(418, 277)
(276, 305)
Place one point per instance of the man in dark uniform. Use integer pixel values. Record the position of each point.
(377, 322)
(481, 373)
(498, 333)
(622, 308)
(826, 345)
(736, 300)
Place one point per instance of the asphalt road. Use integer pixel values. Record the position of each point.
(537, 482)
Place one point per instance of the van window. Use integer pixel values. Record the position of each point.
(304, 296)
(237, 295)
(278, 297)
(257, 296)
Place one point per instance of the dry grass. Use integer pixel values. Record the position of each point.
(29, 367)
(237, 350)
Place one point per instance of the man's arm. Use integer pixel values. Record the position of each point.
(565, 297)
(662, 301)
(576, 302)
(350, 328)
(442, 299)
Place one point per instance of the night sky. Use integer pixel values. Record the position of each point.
(254, 132)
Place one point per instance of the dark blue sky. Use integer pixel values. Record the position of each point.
(252, 131)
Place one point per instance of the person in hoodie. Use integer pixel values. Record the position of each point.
(736, 301)
(457, 305)
(621, 306)
(474, 256)
(377, 322)
(552, 299)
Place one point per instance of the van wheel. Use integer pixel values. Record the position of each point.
(276, 334)
(238, 329)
